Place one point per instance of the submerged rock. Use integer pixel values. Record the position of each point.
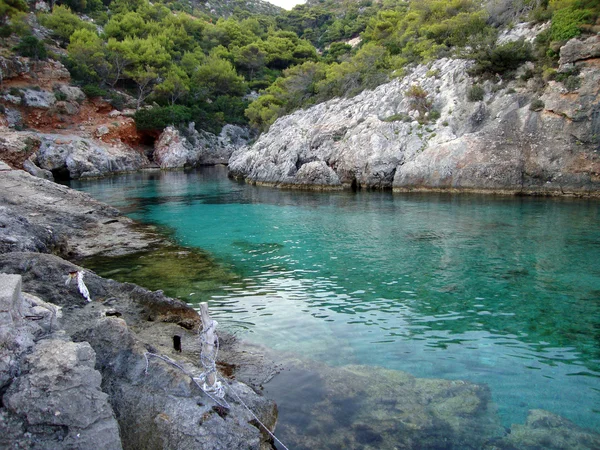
(368, 407)
(504, 143)
(542, 429)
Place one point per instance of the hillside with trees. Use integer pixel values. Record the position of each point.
(251, 68)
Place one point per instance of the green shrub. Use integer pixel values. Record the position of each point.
(60, 96)
(92, 90)
(566, 23)
(117, 100)
(502, 59)
(569, 78)
(475, 93)
(397, 118)
(434, 115)
(31, 47)
(418, 99)
(161, 117)
(64, 23)
(536, 105)
(572, 83)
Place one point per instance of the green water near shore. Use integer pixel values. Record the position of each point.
(497, 290)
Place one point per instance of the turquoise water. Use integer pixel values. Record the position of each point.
(497, 290)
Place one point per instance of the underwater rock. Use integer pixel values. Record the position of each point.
(542, 429)
(367, 407)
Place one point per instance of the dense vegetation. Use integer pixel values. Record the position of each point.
(193, 67)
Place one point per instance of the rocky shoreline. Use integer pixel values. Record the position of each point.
(440, 129)
(76, 374)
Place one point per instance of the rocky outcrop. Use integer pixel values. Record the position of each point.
(156, 404)
(40, 216)
(103, 373)
(40, 71)
(72, 157)
(51, 396)
(513, 140)
(192, 148)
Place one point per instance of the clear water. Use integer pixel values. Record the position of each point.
(497, 290)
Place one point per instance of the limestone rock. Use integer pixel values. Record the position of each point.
(14, 66)
(102, 130)
(317, 173)
(42, 216)
(71, 93)
(30, 167)
(543, 429)
(157, 405)
(18, 147)
(171, 151)
(60, 396)
(71, 156)
(67, 108)
(525, 30)
(578, 50)
(369, 407)
(14, 119)
(38, 99)
(193, 148)
(373, 141)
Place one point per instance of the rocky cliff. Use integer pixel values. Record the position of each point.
(423, 133)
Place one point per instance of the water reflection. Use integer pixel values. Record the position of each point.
(503, 291)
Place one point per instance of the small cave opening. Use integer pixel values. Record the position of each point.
(354, 186)
(61, 174)
(177, 343)
(146, 140)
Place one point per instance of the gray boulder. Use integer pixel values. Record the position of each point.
(70, 156)
(60, 401)
(38, 98)
(192, 148)
(71, 93)
(578, 50)
(30, 167)
(51, 396)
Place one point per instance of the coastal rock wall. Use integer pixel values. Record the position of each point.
(514, 139)
(174, 149)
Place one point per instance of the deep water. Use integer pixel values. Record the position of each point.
(497, 290)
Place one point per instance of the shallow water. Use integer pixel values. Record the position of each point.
(497, 290)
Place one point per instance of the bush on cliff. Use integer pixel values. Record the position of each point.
(32, 47)
(501, 59)
(159, 118)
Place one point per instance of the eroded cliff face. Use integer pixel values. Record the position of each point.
(519, 138)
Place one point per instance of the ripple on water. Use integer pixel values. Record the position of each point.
(498, 291)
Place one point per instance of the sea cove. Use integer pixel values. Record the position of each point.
(503, 291)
